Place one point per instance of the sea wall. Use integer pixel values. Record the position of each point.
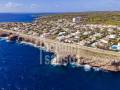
(107, 60)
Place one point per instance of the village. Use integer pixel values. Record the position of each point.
(105, 37)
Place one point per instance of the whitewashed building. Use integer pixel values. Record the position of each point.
(77, 20)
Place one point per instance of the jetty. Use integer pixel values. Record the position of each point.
(107, 60)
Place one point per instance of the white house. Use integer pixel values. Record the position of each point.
(77, 20)
(112, 36)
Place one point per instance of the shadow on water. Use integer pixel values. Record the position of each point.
(20, 68)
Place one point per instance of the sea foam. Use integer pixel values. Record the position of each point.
(31, 44)
(97, 69)
(87, 67)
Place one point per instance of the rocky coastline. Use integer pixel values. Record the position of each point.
(109, 65)
(72, 38)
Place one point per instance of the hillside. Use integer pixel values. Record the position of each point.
(108, 18)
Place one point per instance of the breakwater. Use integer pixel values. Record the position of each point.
(68, 53)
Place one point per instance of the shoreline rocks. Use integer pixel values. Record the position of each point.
(108, 65)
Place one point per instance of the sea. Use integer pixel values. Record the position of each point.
(22, 67)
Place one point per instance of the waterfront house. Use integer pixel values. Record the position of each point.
(105, 41)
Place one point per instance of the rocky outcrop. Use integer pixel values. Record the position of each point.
(4, 34)
(20, 39)
(12, 37)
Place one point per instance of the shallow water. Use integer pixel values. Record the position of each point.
(20, 68)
